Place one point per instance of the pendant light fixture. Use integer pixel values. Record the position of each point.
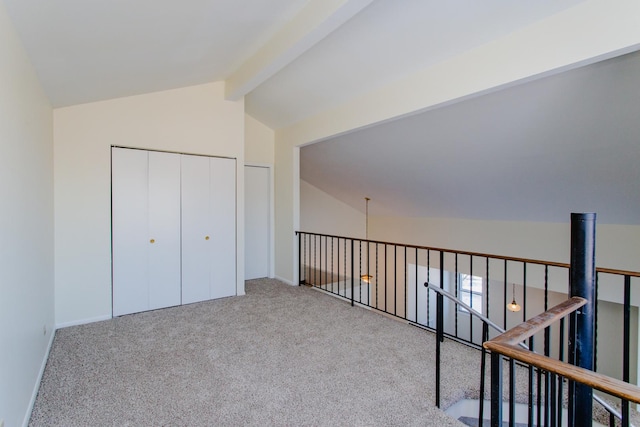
(366, 277)
(513, 305)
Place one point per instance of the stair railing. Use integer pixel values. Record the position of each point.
(508, 344)
(486, 322)
(613, 413)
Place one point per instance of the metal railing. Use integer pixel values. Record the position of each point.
(551, 409)
(508, 344)
(388, 277)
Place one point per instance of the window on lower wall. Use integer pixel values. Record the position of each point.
(470, 292)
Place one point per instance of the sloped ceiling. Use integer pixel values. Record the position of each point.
(536, 152)
(531, 152)
(86, 51)
(386, 41)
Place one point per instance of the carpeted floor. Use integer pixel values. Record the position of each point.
(280, 355)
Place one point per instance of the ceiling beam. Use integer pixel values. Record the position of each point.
(592, 31)
(317, 19)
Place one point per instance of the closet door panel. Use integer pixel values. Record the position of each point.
(196, 211)
(164, 230)
(130, 231)
(223, 227)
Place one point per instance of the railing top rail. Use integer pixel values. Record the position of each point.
(479, 254)
(536, 324)
(506, 344)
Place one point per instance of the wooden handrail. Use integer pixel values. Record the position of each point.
(536, 324)
(480, 254)
(507, 345)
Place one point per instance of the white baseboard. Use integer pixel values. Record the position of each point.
(288, 282)
(83, 321)
(36, 387)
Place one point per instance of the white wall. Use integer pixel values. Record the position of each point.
(194, 120)
(616, 245)
(324, 214)
(26, 228)
(259, 141)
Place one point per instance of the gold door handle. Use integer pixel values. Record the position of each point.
(152, 241)
(206, 237)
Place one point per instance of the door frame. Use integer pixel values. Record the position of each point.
(271, 231)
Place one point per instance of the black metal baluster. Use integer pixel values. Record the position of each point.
(332, 260)
(360, 269)
(440, 300)
(304, 258)
(504, 298)
(483, 369)
(416, 319)
(326, 260)
(369, 273)
(471, 298)
(456, 293)
(360, 277)
(352, 272)
(487, 293)
(345, 270)
(530, 368)
(386, 290)
(395, 280)
(428, 293)
(553, 414)
(406, 282)
(299, 258)
(531, 385)
(496, 390)
(377, 276)
(547, 349)
(319, 256)
(626, 346)
(560, 380)
(524, 292)
(512, 392)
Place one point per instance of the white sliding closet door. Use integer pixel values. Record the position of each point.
(208, 228)
(146, 230)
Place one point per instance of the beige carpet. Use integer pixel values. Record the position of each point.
(280, 355)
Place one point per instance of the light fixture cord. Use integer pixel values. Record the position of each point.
(366, 230)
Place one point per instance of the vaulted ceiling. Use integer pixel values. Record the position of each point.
(534, 151)
(537, 151)
(290, 58)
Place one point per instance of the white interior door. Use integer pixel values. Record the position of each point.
(256, 222)
(146, 230)
(208, 228)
